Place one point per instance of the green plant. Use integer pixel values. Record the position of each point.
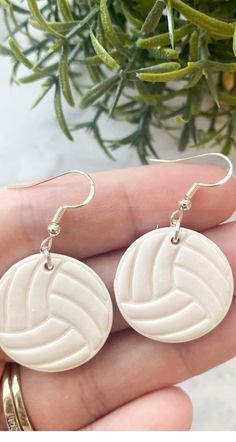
(148, 62)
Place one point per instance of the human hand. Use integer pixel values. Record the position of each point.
(129, 385)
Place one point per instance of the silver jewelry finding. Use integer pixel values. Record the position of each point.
(185, 203)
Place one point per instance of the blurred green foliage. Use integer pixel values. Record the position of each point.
(154, 63)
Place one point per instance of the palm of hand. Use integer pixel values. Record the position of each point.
(129, 384)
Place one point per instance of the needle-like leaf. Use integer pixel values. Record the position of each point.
(60, 114)
(64, 77)
(105, 57)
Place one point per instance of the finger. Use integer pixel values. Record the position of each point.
(169, 409)
(127, 203)
(105, 265)
(128, 367)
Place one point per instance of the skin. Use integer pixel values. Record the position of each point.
(130, 384)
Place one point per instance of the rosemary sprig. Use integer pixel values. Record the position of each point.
(151, 63)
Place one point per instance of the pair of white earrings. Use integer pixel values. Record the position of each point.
(172, 285)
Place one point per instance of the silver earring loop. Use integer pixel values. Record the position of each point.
(185, 204)
(54, 228)
(197, 186)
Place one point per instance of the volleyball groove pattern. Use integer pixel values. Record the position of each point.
(173, 292)
(53, 320)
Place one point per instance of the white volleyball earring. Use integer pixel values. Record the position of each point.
(55, 312)
(174, 284)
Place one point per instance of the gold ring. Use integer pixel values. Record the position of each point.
(13, 404)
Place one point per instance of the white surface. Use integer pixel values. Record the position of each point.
(173, 292)
(53, 320)
(31, 145)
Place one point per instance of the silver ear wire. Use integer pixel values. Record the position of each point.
(197, 186)
(54, 228)
(185, 204)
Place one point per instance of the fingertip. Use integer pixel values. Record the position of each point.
(168, 409)
(184, 407)
(176, 410)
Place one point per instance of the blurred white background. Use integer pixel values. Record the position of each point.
(31, 145)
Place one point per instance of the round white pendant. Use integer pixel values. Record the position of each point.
(53, 320)
(173, 292)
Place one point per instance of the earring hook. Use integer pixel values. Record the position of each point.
(61, 210)
(185, 204)
(54, 228)
(194, 188)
